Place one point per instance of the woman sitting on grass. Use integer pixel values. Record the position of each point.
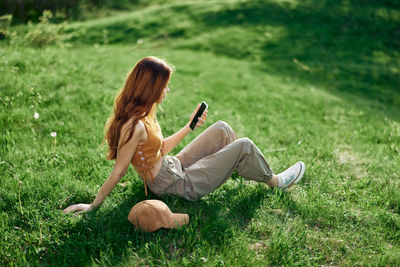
(134, 136)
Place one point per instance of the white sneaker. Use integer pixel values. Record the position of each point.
(292, 175)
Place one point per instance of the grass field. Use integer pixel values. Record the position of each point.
(311, 81)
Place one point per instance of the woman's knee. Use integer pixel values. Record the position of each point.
(245, 145)
(223, 126)
(219, 126)
(221, 123)
(245, 141)
(222, 129)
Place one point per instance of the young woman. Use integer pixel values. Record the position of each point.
(134, 137)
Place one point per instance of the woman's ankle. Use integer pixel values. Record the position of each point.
(274, 181)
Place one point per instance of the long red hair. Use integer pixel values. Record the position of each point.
(143, 88)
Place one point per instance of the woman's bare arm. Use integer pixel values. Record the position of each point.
(172, 141)
(124, 157)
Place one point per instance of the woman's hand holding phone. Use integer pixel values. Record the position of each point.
(198, 116)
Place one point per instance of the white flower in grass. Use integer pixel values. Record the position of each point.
(53, 134)
(140, 41)
(36, 115)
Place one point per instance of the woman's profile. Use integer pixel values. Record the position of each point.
(134, 137)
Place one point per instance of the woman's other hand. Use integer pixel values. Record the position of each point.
(78, 208)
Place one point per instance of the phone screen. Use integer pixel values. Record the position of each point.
(199, 113)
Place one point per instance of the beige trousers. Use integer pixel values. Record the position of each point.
(207, 162)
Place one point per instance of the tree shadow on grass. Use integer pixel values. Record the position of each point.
(106, 236)
(346, 47)
(349, 47)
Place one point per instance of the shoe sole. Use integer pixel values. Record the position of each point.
(299, 176)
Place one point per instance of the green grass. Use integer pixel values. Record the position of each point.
(311, 82)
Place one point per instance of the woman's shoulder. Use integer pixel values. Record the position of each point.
(139, 131)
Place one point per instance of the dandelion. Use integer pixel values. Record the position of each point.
(54, 135)
(36, 115)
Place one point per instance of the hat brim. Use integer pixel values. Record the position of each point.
(178, 219)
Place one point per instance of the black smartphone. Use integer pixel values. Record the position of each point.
(199, 113)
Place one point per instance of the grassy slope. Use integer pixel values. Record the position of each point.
(329, 100)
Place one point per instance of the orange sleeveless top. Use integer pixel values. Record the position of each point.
(148, 153)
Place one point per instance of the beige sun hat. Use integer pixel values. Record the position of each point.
(151, 215)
